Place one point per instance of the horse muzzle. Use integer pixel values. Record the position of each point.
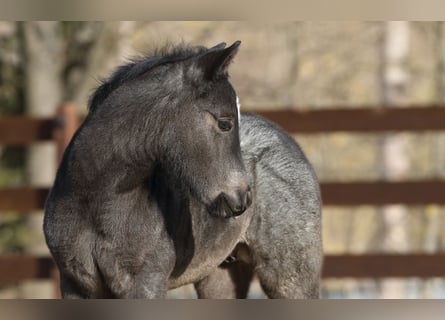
(232, 205)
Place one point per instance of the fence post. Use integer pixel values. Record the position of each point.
(65, 125)
(55, 276)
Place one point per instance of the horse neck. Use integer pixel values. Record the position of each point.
(115, 147)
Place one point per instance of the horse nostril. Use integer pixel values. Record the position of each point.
(248, 198)
(235, 205)
(239, 208)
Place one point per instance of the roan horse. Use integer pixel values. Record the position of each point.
(164, 185)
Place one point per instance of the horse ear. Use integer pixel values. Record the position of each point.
(221, 45)
(214, 62)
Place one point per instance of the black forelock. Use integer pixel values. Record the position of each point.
(138, 66)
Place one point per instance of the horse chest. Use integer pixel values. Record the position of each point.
(210, 243)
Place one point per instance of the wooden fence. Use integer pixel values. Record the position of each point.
(25, 130)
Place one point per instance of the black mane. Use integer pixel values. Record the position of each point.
(138, 66)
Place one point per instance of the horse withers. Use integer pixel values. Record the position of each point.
(154, 191)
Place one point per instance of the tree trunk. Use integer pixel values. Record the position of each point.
(111, 46)
(43, 46)
(393, 158)
(433, 214)
(431, 238)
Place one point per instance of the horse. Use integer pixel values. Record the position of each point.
(165, 183)
(282, 244)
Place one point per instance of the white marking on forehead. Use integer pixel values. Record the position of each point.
(238, 107)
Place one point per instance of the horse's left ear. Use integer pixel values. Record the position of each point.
(216, 60)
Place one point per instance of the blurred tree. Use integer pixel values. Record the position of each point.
(60, 59)
(11, 69)
(43, 51)
(12, 231)
(393, 160)
(434, 215)
(92, 49)
(11, 97)
(432, 212)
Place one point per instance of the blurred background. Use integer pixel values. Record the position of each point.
(280, 66)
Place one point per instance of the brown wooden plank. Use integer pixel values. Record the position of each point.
(22, 199)
(22, 267)
(384, 265)
(347, 194)
(359, 120)
(24, 130)
(67, 113)
(15, 268)
(380, 193)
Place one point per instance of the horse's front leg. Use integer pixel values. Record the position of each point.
(147, 285)
(133, 277)
(228, 281)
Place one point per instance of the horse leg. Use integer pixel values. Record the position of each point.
(150, 285)
(217, 285)
(228, 281)
(294, 277)
(69, 289)
(138, 279)
(287, 254)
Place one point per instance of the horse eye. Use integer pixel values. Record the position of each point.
(225, 124)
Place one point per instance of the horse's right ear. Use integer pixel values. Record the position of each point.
(214, 62)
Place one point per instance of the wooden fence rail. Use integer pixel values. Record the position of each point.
(359, 120)
(384, 266)
(25, 130)
(339, 194)
(15, 268)
(22, 199)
